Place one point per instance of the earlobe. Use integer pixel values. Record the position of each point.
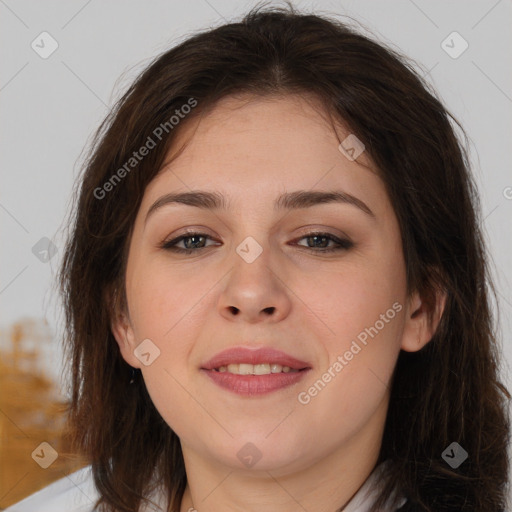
(422, 320)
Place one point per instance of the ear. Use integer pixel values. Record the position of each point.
(123, 332)
(422, 319)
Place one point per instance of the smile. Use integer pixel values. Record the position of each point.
(255, 369)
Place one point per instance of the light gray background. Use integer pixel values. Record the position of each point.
(51, 106)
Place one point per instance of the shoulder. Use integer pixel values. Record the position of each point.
(73, 493)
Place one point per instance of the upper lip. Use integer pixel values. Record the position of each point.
(237, 355)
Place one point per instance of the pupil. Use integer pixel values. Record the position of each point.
(188, 239)
(317, 237)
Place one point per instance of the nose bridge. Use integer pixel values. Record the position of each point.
(253, 290)
(252, 272)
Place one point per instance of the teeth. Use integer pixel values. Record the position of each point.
(276, 368)
(255, 369)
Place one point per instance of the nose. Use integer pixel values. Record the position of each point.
(255, 292)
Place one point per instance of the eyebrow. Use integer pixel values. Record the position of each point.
(287, 201)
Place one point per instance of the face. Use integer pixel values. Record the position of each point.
(323, 282)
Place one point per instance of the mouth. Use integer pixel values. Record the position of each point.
(256, 369)
(252, 372)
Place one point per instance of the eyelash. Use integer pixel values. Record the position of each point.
(343, 244)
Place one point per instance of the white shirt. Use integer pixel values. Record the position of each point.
(77, 493)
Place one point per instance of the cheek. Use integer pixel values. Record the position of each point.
(362, 316)
(168, 308)
(347, 301)
(359, 310)
(161, 298)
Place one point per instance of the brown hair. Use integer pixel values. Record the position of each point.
(449, 391)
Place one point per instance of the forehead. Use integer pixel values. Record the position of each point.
(278, 123)
(256, 147)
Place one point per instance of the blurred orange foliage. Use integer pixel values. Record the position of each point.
(32, 411)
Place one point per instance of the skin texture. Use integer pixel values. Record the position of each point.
(314, 455)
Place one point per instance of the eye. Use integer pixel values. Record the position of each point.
(316, 241)
(320, 240)
(191, 241)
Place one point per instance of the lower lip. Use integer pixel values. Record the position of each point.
(253, 385)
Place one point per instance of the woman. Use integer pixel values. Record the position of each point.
(276, 288)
